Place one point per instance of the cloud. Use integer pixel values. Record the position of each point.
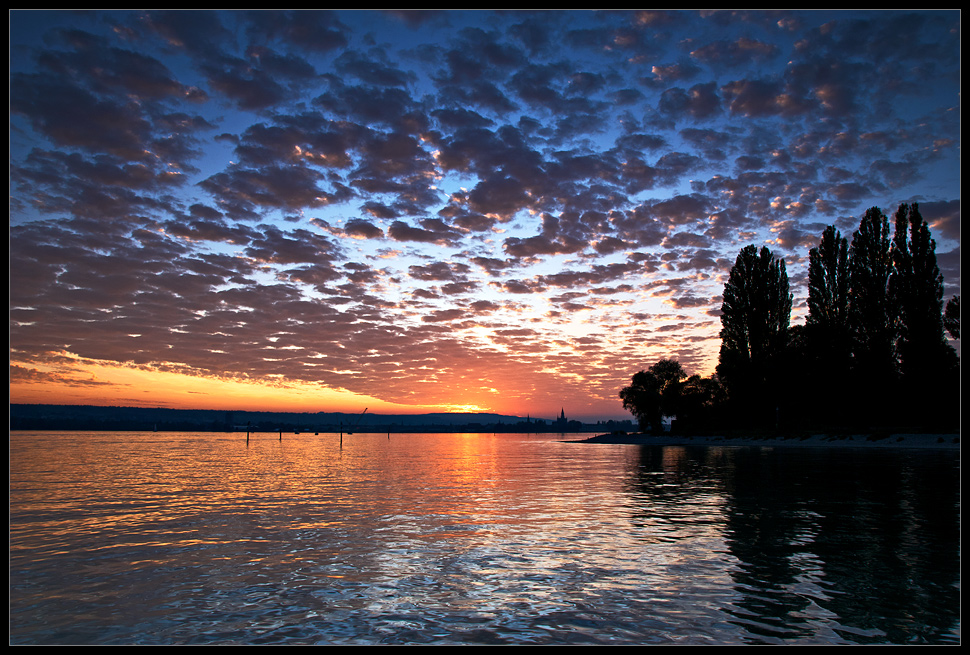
(764, 98)
(406, 204)
(503, 196)
(550, 242)
(943, 218)
(432, 230)
(742, 51)
(246, 193)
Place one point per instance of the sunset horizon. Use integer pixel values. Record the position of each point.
(411, 212)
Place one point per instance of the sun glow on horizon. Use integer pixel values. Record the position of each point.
(71, 380)
(75, 381)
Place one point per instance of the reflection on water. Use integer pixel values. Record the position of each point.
(202, 538)
(858, 545)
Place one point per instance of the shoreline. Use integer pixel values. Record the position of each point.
(894, 440)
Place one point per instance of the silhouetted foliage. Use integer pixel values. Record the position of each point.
(951, 317)
(927, 363)
(662, 390)
(824, 349)
(918, 286)
(872, 352)
(873, 311)
(755, 316)
(828, 287)
(642, 399)
(653, 394)
(700, 404)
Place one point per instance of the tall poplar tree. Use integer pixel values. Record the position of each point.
(828, 287)
(873, 314)
(927, 362)
(755, 317)
(826, 348)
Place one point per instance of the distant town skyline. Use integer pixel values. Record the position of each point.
(423, 211)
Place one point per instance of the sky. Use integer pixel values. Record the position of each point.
(417, 211)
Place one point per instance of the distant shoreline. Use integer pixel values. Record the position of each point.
(893, 440)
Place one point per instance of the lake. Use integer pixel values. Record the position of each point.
(207, 538)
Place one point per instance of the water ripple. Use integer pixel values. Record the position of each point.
(464, 539)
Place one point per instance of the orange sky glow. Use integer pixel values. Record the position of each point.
(111, 384)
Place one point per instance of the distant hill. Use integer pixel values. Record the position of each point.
(91, 417)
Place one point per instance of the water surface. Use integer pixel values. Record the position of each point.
(205, 538)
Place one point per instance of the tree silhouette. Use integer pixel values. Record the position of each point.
(755, 316)
(828, 285)
(918, 286)
(699, 403)
(873, 349)
(873, 313)
(654, 394)
(917, 289)
(823, 348)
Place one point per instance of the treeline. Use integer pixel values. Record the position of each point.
(872, 353)
(98, 418)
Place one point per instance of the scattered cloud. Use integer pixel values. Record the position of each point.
(414, 206)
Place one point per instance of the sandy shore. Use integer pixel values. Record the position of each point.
(901, 440)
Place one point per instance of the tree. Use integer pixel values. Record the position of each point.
(654, 394)
(699, 403)
(825, 349)
(873, 314)
(916, 284)
(755, 317)
(642, 399)
(828, 285)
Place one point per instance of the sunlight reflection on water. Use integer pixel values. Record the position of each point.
(201, 538)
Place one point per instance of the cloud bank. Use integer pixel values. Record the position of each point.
(508, 210)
